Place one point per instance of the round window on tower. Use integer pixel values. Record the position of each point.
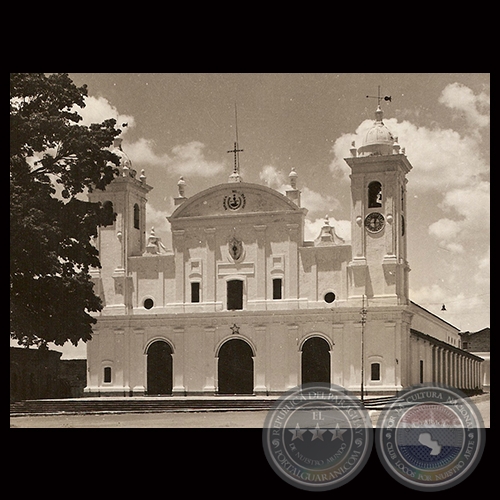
(329, 297)
(148, 303)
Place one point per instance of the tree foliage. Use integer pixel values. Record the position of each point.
(53, 162)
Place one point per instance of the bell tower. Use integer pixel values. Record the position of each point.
(379, 268)
(125, 238)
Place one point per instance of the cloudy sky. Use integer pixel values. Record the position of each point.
(184, 124)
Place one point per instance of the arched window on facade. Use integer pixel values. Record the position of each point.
(108, 208)
(107, 375)
(375, 371)
(374, 194)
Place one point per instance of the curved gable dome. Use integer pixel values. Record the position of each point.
(234, 199)
(378, 139)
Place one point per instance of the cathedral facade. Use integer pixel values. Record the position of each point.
(242, 304)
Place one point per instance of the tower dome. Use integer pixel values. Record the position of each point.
(125, 163)
(378, 139)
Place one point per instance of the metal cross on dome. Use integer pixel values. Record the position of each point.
(379, 97)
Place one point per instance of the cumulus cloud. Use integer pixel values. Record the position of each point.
(141, 152)
(445, 228)
(185, 159)
(460, 307)
(430, 295)
(98, 109)
(446, 231)
(474, 108)
(273, 178)
(482, 276)
(441, 158)
(189, 159)
(316, 203)
(470, 209)
(472, 202)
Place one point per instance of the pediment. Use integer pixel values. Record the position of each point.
(234, 198)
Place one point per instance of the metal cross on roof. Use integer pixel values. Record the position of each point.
(236, 151)
(236, 168)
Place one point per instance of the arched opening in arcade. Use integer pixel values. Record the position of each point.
(316, 361)
(235, 368)
(159, 368)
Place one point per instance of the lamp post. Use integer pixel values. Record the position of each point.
(363, 322)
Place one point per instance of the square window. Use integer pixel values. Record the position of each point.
(277, 288)
(234, 295)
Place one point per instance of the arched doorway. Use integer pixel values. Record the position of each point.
(159, 368)
(235, 368)
(315, 361)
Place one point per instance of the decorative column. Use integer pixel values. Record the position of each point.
(292, 267)
(93, 364)
(293, 354)
(336, 369)
(210, 367)
(260, 361)
(138, 363)
(448, 368)
(178, 245)
(453, 374)
(117, 378)
(178, 363)
(434, 371)
(260, 264)
(391, 208)
(455, 369)
(441, 366)
(357, 210)
(462, 372)
(210, 272)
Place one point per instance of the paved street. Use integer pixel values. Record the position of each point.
(216, 419)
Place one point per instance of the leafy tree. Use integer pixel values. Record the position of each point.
(53, 160)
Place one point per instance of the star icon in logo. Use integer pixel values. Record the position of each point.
(297, 433)
(317, 433)
(337, 433)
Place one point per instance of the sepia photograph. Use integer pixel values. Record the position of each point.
(188, 248)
